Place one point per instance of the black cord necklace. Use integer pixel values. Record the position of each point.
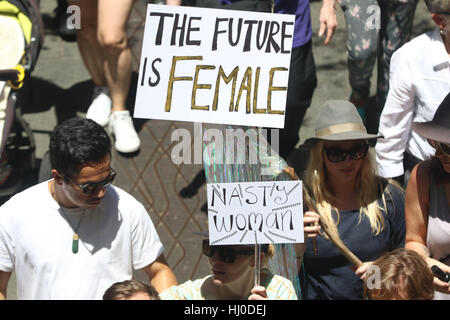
(76, 237)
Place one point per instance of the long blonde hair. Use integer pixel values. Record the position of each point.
(368, 185)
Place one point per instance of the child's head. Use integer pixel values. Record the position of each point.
(131, 290)
(403, 275)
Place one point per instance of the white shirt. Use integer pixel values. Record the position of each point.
(419, 81)
(36, 241)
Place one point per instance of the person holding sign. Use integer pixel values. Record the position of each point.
(103, 44)
(232, 277)
(366, 211)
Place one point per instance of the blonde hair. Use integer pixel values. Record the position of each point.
(404, 275)
(368, 185)
(268, 255)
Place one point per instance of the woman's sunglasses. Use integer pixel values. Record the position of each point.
(227, 254)
(90, 187)
(444, 147)
(338, 155)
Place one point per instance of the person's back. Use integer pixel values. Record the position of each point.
(410, 70)
(419, 81)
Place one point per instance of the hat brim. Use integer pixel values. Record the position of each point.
(340, 137)
(432, 131)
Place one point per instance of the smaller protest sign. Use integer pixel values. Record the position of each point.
(255, 212)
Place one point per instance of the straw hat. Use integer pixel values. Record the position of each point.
(338, 120)
(437, 129)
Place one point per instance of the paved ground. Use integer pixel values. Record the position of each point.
(61, 88)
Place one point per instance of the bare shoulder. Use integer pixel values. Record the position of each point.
(420, 175)
(419, 182)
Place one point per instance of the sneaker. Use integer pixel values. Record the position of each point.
(121, 127)
(100, 108)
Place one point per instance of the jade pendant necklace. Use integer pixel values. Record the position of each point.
(76, 237)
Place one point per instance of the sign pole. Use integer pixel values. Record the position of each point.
(257, 264)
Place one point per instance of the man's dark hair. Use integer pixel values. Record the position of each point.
(76, 143)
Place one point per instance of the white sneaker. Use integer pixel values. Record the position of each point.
(100, 108)
(121, 127)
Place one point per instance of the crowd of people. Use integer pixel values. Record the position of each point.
(77, 236)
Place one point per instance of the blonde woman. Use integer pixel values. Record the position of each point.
(365, 210)
(232, 277)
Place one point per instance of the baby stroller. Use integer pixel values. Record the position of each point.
(21, 38)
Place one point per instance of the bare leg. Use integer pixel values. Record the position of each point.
(112, 22)
(104, 47)
(88, 44)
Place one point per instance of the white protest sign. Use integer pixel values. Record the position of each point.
(214, 66)
(255, 212)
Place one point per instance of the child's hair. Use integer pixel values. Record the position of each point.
(404, 275)
(126, 289)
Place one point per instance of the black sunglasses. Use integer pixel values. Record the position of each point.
(338, 155)
(444, 147)
(90, 187)
(227, 254)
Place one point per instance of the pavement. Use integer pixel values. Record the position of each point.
(61, 88)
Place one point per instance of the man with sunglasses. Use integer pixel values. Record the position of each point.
(75, 235)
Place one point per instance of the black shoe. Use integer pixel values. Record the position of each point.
(66, 32)
(188, 192)
(204, 208)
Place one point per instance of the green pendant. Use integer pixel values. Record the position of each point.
(75, 240)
